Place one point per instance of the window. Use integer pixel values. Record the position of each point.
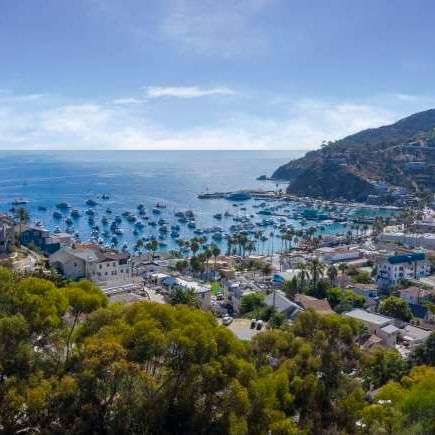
(100, 266)
(75, 264)
(114, 264)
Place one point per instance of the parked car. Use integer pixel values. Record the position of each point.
(227, 320)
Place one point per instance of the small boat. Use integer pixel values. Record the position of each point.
(163, 244)
(108, 211)
(105, 196)
(91, 203)
(175, 234)
(63, 206)
(218, 216)
(90, 212)
(191, 224)
(57, 230)
(57, 214)
(75, 213)
(156, 211)
(104, 220)
(42, 208)
(140, 207)
(68, 221)
(19, 202)
(139, 224)
(238, 196)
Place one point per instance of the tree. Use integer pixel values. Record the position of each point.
(179, 296)
(316, 269)
(291, 288)
(332, 274)
(383, 365)
(181, 265)
(344, 300)
(84, 297)
(395, 307)
(23, 216)
(425, 353)
(215, 252)
(251, 303)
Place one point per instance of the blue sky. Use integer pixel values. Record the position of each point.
(209, 74)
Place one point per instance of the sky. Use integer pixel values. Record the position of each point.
(209, 74)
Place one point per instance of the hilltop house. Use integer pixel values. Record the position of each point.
(202, 291)
(104, 267)
(283, 305)
(393, 269)
(380, 326)
(320, 306)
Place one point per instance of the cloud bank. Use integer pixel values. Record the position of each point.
(55, 123)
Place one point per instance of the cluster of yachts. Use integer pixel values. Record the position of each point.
(107, 229)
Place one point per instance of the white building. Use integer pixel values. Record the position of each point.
(391, 270)
(338, 253)
(412, 240)
(202, 291)
(105, 268)
(381, 326)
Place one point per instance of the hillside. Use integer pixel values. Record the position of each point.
(397, 155)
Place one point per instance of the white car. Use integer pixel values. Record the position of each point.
(227, 320)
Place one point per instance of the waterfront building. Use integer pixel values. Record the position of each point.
(46, 242)
(338, 253)
(393, 269)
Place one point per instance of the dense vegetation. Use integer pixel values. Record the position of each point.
(342, 169)
(70, 363)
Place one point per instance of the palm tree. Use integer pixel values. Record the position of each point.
(316, 269)
(332, 273)
(23, 216)
(303, 273)
(342, 267)
(216, 252)
(139, 245)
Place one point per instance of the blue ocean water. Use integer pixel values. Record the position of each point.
(172, 178)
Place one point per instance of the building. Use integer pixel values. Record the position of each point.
(369, 291)
(202, 291)
(7, 235)
(106, 268)
(43, 240)
(283, 305)
(391, 270)
(415, 295)
(411, 240)
(338, 253)
(381, 326)
(234, 291)
(320, 306)
(413, 336)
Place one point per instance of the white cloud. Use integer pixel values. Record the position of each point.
(300, 124)
(185, 91)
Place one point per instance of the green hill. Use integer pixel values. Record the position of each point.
(401, 154)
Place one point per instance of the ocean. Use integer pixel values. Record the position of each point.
(171, 178)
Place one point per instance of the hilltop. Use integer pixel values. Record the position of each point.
(370, 162)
